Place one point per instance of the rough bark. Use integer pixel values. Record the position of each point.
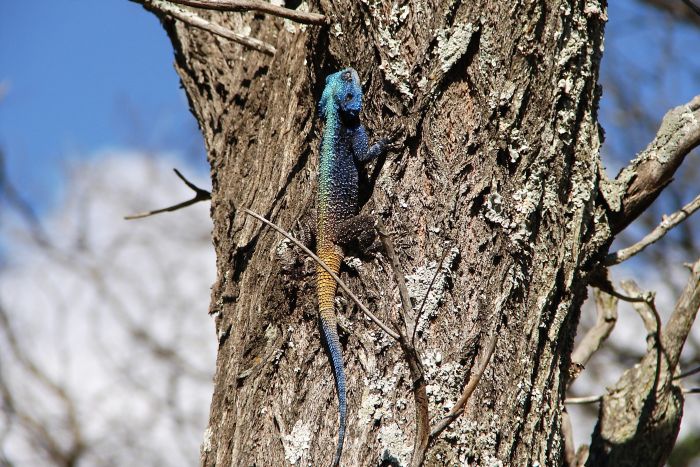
(496, 103)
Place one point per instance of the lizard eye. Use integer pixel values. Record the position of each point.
(348, 97)
(347, 76)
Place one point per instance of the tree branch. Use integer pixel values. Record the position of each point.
(193, 19)
(256, 5)
(638, 185)
(667, 223)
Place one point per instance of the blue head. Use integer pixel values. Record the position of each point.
(343, 93)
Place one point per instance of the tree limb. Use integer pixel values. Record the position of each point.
(256, 5)
(193, 19)
(638, 185)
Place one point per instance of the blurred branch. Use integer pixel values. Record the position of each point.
(638, 184)
(193, 19)
(199, 195)
(688, 11)
(681, 320)
(256, 5)
(23, 208)
(606, 317)
(688, 373)
(662, 229)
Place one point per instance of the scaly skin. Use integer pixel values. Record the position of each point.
(343, 145)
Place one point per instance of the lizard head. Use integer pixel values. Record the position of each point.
(343, 92)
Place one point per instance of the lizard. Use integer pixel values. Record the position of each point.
(344, 145)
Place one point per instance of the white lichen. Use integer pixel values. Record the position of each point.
(297, 442)
(452, 44)
(396, 447)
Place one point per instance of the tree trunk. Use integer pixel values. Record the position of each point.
(495, 104)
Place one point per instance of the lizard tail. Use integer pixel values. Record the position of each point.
(330, 335)
(329, 329)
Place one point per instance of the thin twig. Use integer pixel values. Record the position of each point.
(193, 19)
(583, 400)
(320, 262)
(662, 229)
(425, 298)
(688, 373)
(398, 274)
(594, 399)
(199, 196)
(256, 5)
(468, 390)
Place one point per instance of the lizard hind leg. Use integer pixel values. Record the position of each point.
(357, 234)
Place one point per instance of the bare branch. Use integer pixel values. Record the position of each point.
(681, 321)
(256, 5)
(193, 19)
(606, 317)
(692, 6)
(200, 195)
(468, 390)
(667, 223)
(642, 305)
(638, 185)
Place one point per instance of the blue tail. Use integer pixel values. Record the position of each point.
(330, 335)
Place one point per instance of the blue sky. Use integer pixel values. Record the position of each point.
(85, 76)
